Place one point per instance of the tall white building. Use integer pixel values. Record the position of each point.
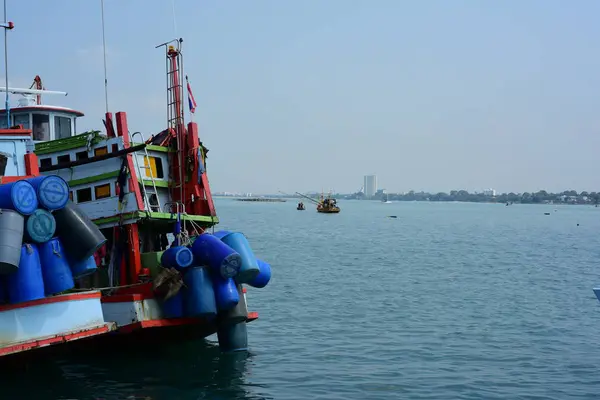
(370, 185)
(489, 192)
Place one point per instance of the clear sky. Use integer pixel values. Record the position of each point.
(304, 95)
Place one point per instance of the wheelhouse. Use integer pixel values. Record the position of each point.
(46, 122)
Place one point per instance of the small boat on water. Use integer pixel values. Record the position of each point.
(300, 206)
(325, 204)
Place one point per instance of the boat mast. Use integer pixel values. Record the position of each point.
(175, 115)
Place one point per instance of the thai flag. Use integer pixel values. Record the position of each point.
(191, 101)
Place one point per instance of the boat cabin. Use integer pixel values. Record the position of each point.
(46, 122)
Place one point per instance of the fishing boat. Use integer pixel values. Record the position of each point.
(328, 205)
(300, 206)
(154, 266)
(325, 204)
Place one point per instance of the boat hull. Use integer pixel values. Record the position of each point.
(52, 320)
(330, 211)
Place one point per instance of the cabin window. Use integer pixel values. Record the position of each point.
(63, 159)
(154, 165)
(3, 122)
(84, 195)
(102, 191)
(22, 119)
(62, 127)
(81, 155)
(45, 162)
(114, 148)
(71, 195)
(41, 127)
(100, 151)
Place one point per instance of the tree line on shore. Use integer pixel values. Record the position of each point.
(539, 197)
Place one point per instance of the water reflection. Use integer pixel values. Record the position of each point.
(193, 370)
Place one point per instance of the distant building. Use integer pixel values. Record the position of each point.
(370, 186)
(489, 192)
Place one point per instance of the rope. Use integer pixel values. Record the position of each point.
(109, 287)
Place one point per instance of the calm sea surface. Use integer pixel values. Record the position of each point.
(448, 301)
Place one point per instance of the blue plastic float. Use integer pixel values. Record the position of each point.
(55, 268)
(83, 268)
(226, 294)
(209, 250)
(177, 257)
(199, 295)
(27, 283)
(19, 196)
(264, 275)
(232, 337)
(52, 191)
(173, 306)
(248, 268)
(40, 226)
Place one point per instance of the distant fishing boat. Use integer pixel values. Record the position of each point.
(325, 204)
(300, 206)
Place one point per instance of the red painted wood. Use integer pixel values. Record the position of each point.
(203, 202)
(9, 179)
(110, 127)
(123, 131)
(31, 165)
(15, 132)
(33, 344)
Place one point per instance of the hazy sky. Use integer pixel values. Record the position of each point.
(304, 95)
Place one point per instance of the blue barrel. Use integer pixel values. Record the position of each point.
(222, 259)
(233, 337)
(221, 234)
(28, 282)
(3, 290)
(226, 294)
(83, 268)
(177, 257)
(237, 314)
(264, 275)
(52, 191)
(249, 268)
(199, 295)
(40, 226)
(19, 196)
(56, 270)
(173, 306)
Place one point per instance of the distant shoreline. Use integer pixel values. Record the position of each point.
(568, 197)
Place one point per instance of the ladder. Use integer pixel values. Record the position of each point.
(147, 193)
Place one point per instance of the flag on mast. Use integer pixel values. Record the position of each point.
(191, 101)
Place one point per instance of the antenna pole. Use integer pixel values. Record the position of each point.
(6, 25)
(174, 21)
(104, 51)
